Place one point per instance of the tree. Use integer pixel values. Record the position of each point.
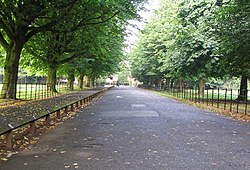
(194, 57)
(231, 25)
(20, 21)
(124, 72)
(151, 56)
(196, 40)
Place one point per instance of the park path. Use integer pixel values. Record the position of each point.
(130, 128)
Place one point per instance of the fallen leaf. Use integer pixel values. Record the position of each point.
(4, 159)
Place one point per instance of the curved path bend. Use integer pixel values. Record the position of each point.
(132, 129)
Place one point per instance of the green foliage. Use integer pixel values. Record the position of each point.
(54, 33)
(231, 29)
(95, 40)
(194, 40)
(2, 56)
(124, 72)
(150, 58)
(194, 50)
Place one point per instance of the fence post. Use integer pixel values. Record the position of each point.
(190, 94)
(66, 110)
(225, 104)
(51, 93)
(47, 120)
(178, 92)
(203, 96)
(33, 128)
(58, 114)
(46, 91)
(195, 95)
(212, 97)
(72, 107)
(35, 90)
(237, 107)
(184, 90)
(207, 96)
(218, 98)
(26, 90)
(199, 95)
(9, 139)
(31, 90)
(231, 99)
(246, 102)
(39, 91)
(42, 90)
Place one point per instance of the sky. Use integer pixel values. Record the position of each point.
(133, 33)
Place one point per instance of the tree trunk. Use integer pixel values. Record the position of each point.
(92, 82)
(181, 84)
(51, 80)
(159, 83)
(171, 83)
(243, 89)
(71, 79)
(87, 81)
(80, 80)
(11, 71)
(167, 83)
(202, 87)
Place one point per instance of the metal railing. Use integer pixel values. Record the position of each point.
(59, 113)
(227, 99)
(33, 91)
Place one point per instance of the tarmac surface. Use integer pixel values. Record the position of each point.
(133, 129)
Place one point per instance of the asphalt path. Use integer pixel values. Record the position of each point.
(130, 128)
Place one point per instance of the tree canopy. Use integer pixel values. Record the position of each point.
(194, 40)
(57, 32)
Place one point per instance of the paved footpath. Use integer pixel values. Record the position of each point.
(18, 114)
(133, 129)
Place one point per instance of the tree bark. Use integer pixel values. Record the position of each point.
(167, 83)
(181, 84)
(159, 83)
(243, 89)
(171, 84)
(92, 82)
(80, 80)
(87, 81)
(51, 80)
(202, 87)
(11, 71)
(71, 79)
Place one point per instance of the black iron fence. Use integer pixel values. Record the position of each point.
(29, 91)
(227, 99)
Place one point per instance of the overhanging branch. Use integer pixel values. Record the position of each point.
(76, 55)
(35, 30)
(103, 21)
(6, 29)
(3, 42)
